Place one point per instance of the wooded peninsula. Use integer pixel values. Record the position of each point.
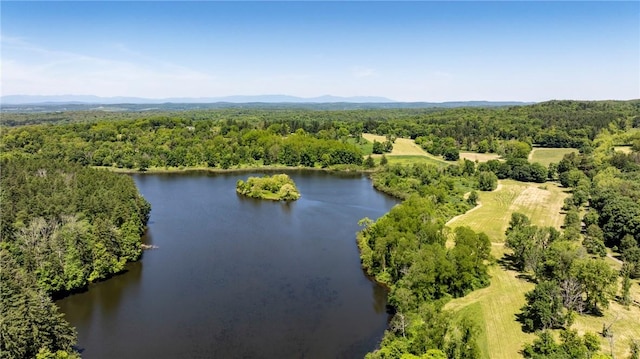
(518, 234)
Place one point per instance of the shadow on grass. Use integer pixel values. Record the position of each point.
(508, 262)
(529, 325)
(528, 277)
(523, 320)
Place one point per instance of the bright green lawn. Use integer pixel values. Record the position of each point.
(411, 159)
(365, 146)
(545, 156)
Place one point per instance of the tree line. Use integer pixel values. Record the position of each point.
(165, 143)
(549, 124)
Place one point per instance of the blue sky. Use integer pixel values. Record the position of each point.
(406, 51)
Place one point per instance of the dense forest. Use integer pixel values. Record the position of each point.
(63, 226)
(234, 137)
(66, 223)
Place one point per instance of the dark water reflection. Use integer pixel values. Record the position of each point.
(239, 278)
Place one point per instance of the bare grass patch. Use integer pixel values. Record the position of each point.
(480, 157)
(624, 149)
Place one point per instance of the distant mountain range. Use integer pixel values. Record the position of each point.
(89, 99)
(260, 99)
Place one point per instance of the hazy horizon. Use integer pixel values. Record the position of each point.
(402, 51)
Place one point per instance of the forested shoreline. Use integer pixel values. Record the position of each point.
(66, 224)
(406, 250)
(63, 226)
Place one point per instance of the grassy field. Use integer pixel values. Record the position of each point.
(365, 146)
(626, 324)
(405, 151)
(492, 217)
(480, 157)
(496, 306)
(411, 152)
(402, 146)
(545, 156)
(408, 160)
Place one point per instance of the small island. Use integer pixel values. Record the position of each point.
(278, 187)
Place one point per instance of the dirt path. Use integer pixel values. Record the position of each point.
(460, 215)
(472, 209)
(614, 258)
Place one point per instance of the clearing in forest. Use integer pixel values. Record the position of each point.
(407, 148)
(496, 306)
(625, 324)
(540, 202)
(544, 156)
(401, 146)
(480, 157)
(494, 309)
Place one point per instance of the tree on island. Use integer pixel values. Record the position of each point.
(278, 187)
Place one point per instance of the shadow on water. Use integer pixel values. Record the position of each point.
(105, 296)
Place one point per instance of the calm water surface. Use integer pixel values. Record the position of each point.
(239, 278)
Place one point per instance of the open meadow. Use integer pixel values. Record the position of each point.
(401, 146)
(480, 157)
(544, 156)
(540, 202)
(496, 306)
(405, 151)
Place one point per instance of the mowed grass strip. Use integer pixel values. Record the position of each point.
(409, 160)
(496, 306)
(544, 156)
(474, 312)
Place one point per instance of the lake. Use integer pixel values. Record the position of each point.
(234, 277)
